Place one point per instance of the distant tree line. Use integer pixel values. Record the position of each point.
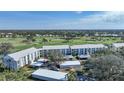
(62, 33)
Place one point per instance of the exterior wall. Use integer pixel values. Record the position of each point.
(10, 63)
(41, 53)
(21, 62)
(48, 78)
(27, 59)
(63, 51)
(68, 52)
(30, 58)
(85, 51)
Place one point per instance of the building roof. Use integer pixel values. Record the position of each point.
(68, 56)
(40, 49)
(56, 47)
(42, 60)
(84, 56)
(36, 64)
(49, 74)
(17, 55)
(88, 46)
(70, 63)
(117, 45)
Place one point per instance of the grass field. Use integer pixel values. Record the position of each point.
(19, 45)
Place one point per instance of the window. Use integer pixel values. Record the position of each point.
(68, 52)
(85, 51)
(9, 60)
(32, 56)
(81, 51)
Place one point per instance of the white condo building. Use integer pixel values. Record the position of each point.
(117, 46)
(64, 49)
(86, 49)
(28, 56)
(21, 58)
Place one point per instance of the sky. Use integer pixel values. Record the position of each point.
(61, 20)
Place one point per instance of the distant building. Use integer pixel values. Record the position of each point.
(19, 59)
(117, 46)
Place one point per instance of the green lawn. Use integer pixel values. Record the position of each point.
(24, 74)
(19, 45)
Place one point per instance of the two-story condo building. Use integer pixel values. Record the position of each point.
(28, 56)
(116, 46)
(64, 49)
(21, 58)
(86, 49)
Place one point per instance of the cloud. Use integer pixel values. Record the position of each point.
(99, 20)
(107, 20)
(114, 17)
(78, 12)
(108, 17)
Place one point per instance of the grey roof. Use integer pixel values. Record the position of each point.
(88, 46)
(117, 45)
(36, 64)
(56, 47)
(68, 56)
(17, 55)
(42, 60)
(83, 56)
(70, 63)
(40, 49)
(49, 74)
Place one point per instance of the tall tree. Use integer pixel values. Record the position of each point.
(106, 68)
(5, 47)
(44, 40)
(55, 56)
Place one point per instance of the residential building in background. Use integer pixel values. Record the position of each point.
(116, 46)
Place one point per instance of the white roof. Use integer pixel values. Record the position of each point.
(118, 45)
(17, 55)
(42, 60)
(40, 49)
(70, 63)
(49, 74)
(68, 56)
(36, 64)
(56, 47)
(83, 56)
(88, 46)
